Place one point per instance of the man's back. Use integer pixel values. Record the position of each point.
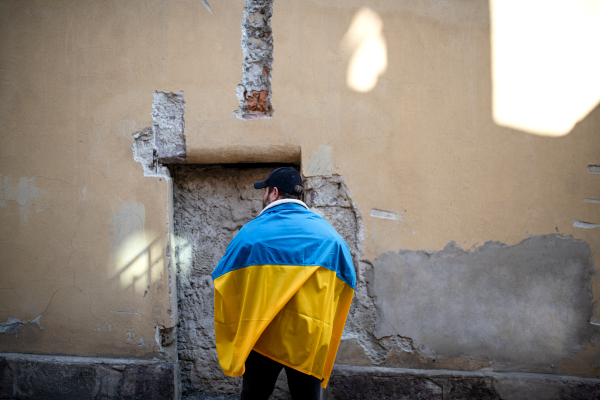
(288, 234)
(283, 289)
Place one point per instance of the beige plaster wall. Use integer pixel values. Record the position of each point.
(76, 80)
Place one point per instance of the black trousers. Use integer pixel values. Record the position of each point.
(261, 375)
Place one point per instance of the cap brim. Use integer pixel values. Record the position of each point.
(260, 185)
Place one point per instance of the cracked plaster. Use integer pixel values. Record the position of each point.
(12, 325)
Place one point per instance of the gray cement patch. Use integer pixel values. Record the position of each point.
(524, 307)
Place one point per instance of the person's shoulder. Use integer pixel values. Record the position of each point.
(250, 228)
(321, 225)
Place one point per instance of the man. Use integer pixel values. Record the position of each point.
(282, 294)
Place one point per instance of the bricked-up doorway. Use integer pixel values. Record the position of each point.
(210, 205)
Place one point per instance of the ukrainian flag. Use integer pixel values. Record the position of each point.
(283, 289)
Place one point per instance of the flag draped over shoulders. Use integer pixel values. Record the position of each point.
(283, 289)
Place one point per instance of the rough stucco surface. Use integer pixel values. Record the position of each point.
(330, 198)
(254, 90)
(168, 124)
(164, 142)
(523, 307)
(211, 204)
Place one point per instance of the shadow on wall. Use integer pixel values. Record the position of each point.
(544, 61)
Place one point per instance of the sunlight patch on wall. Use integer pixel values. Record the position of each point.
(184, 255)
(545, 63)
(366, 43)
(136, 261)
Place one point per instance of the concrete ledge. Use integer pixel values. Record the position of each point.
(349, 382)
(29, 376)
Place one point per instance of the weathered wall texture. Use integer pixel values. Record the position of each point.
(26, 376)
(356, 383)
(85, 237)
(211, 204)
(164, 143)
(521, 308)
(168, 111)
(254, 91)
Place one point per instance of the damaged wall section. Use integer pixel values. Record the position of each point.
(522, 307)
(211, 204)
(164, 142)
(499, 307)
(254, 90)
(329, 197)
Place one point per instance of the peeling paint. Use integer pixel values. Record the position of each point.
(375, 213)
(144, 152)
(12, 325)
(584, 225)
(593, 169)
(205, 2)
(143, 344)
(591, 201)
(126, 312)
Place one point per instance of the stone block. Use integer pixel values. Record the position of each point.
(24, 376)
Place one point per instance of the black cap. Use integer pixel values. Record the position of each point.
(285, 178)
